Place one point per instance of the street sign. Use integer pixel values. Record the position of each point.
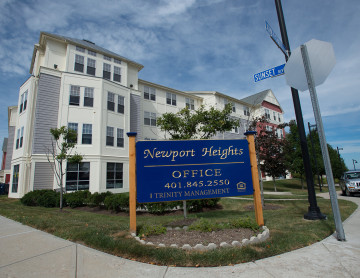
(322, 61)
(192, 169)
(273, 72)
(275, 38)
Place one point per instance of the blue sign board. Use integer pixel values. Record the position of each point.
(192, 169)
(275, 38)
(279, 70)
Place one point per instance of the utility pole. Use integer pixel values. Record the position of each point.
(313, 211)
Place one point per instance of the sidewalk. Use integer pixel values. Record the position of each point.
(27, 252)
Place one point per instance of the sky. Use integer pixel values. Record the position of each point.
(190, 45)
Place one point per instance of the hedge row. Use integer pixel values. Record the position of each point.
(114, 202)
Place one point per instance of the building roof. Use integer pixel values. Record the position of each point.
(5, 143)
(259, 98)
(82, 43)
(217, 94)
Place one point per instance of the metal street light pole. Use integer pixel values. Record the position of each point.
(314, 155)
(313, 211)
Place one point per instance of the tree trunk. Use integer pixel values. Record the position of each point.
(61, 187)
(274, 184)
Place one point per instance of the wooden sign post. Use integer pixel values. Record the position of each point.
(132, 181)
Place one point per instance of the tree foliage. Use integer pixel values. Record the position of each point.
(62, 144)
(270, 148)
(197, 124)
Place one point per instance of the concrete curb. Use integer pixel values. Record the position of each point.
(261, 237)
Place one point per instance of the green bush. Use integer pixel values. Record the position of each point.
(206, 225)
(77, 198)
(117, 202)
(244, 223)
(44, 198)
(97, 199)
(198, 205)
(159, 208)
(148, 229)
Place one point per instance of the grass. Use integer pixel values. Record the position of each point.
(109, 233)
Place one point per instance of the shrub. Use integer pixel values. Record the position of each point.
(148, 229)
(77, 198)
(45, 198)
(159, 208)
(205, 225)
(244, 223)
(198, 205)
(97, 199)
(117, 202)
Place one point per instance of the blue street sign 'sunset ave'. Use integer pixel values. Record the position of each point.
(192, 169)
(279, 70)
(275, 38)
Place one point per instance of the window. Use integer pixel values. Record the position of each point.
(111, 101)
(79, 63)
(279, 117)
(233, 107)
(92, 53)
(120, 138)
(267, 114)
(149, 118)
(109, 136)
(23, 101)
(117, 74)
(91, 68)
(116, 61)
(21, 137)
(107, 58)
(190, 103)
(18, 139)
(114, 175)
(73, 127)
(149, 93)
(80, 49)
(274, 116)
(107, 71)
(171, 99)
(77, 176)
(87, 134)
(246, 111)
(74, 95)
(15, 180)
(89, 97)
(121, 104)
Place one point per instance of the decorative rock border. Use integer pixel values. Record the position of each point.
(264, 235)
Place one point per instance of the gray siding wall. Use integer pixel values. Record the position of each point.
(10, 146)
(46, 112)
(135, 115)
(43, 176)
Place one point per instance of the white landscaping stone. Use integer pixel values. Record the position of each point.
(254, 240)
(236, 243)
(225, 245)
(169, 229)
(162, 245)
(142, 241)
(137, 238)
(199, 247)
(185, 228)
(174, 245)
(177, 229)
(245, 242)
(150, 243)
(186, 247)
(133, 234)
(211, 246)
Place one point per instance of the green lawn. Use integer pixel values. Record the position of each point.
(109, 233)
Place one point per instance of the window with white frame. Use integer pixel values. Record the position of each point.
(120, 138)
(246, 111)
(149, 118)
(109, 136)
(77, 176)
(171, 99)
(107, 71)
(21, 137)
(87, 134)
(80, 49)
(74, 128)
(121, 105)
(149, 93)
(15, 180)
(92, 53)
(190, 103)
(111, 102)
(236, 128)
(17, 139)
(117, 74)
(233, 108)
(79, 63)
(91, 66)
(267, 114)
(74, 95)
(107, 58)
(279, 119)
(117, 61)
(114, 175)
(89, 97)
(23, 101)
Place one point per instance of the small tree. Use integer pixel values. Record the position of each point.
(62, 143)
(198, 124)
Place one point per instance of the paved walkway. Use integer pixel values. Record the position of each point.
(27, 252)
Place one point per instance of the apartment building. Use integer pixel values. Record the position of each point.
(97, 93)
